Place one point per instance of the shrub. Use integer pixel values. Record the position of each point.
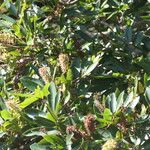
(74, 74)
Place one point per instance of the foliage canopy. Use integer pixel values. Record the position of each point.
(74, 74)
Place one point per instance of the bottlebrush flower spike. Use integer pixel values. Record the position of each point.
(64, 62)
(89, 124)
(43, 71)
(77, 133)
(7, 38)
(14, 107)
(111, 144)
(12, 104)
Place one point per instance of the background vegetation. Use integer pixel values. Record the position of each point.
(75, 74)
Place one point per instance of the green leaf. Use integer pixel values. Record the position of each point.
(58, 106)
(39, 131)
(119, 135)
(145, 79)
(107, 115)
(31, 83)
(53, 139)
(128, 99)
(92, 67)
(36, 146)
(113, 102)
(2, 103)
(147, 94)
(76, 67)
(6, 115)
(138, 38)
(53, 93)
(13, 9)
(146, 144)
(108, 101)
(4, 23)
(32, 113)
(51, 116)
(2, 133)
(69, 76)
(67, 98)
(28, 101)
(120, 100)
(144, 63)
(44, 122)
(34, 132)
(134, 102)
(68, 141)
(146, 18)
(20, 94)
(30, 40)
(38, 94)
(128, 34)
(45, 89)
(8, 19)
(1, 82)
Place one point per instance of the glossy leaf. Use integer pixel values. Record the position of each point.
(113, 103)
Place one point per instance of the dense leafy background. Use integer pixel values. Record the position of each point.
(74, 74)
